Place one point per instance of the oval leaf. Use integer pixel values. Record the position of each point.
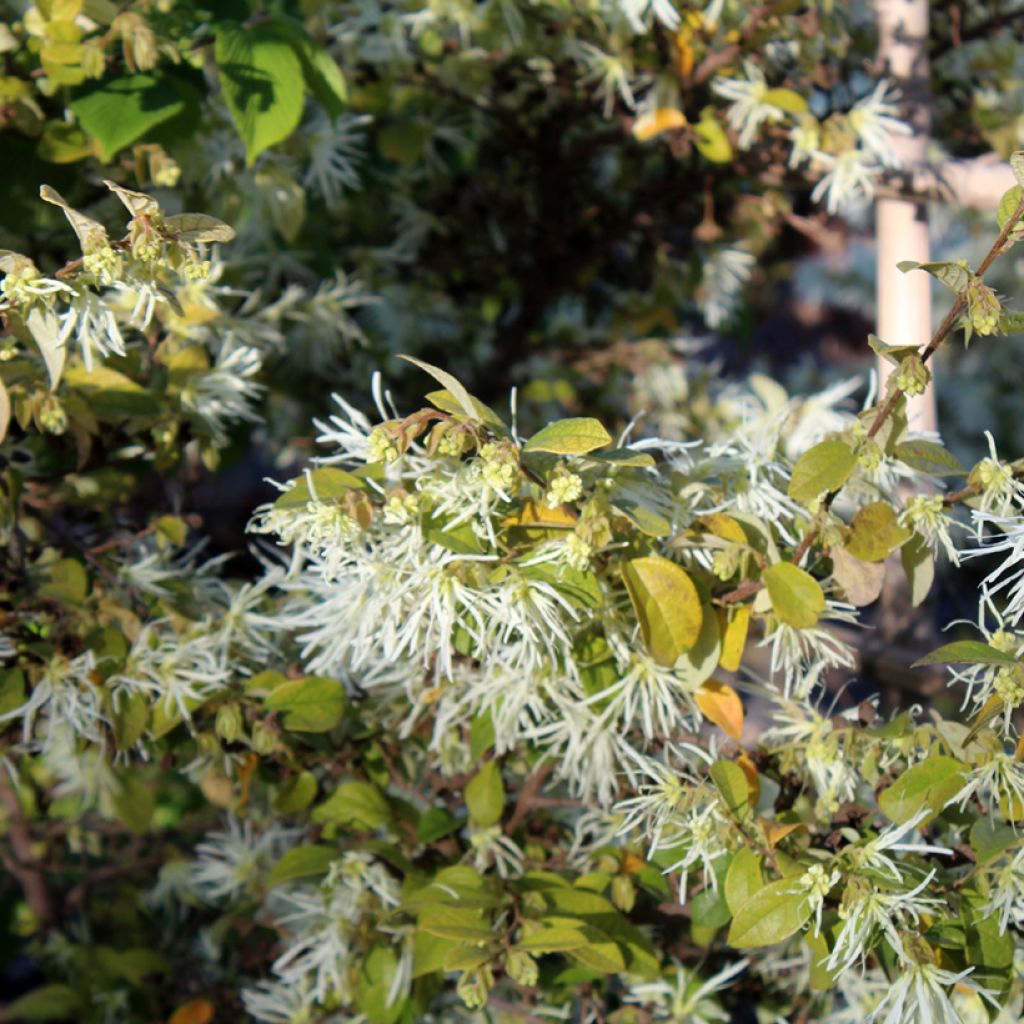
(797, 597)
(771, 915)
(821, 469)
(721, 704)
(667, 606)
(570, 437)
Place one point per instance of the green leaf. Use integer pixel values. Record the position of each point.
(112, 396)
(130, 719)
(820, 470)
(667, 606)
(63, 143)
(326, 484)
(731, 782)
(929, 784)
(429, 952)
(374, 985)
(710, 906)
(467, 403)
(559, 939)
(355, 803)
(485, 796)
(894, 354)
(822, 979)
(463, 923)
(744, 878)
(121, 111)
(12, 689)
(988, 841)
(954, 275)
(797, 597)
(67, 582)
(134, 803)
(600, 954)
(51, 1002)
(466, 958)
(771, 915)
(313, 704)
(447, 402)
(919, 566)
(324, 78)
(296, 794)
(966, 652)
(575, 436)
(435, 824)
(261, 78)
(929, 457)
(875, 532)
(987, 945)
(302, 862)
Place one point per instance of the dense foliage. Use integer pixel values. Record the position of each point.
(468, 735)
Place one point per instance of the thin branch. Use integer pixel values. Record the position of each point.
(751, 587)
(24, 866)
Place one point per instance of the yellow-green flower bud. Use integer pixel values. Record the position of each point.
(521, 968)
(912, 376)
(228, 723)
(264, 738)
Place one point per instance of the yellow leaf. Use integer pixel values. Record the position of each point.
(667, 606)
(664, 119)
(199, 1011)
(749, 769)
(723, 526)
(734, 636)
(721, 704)
(217, 789)
(1018, 754)
(534, 513)
(774, 832)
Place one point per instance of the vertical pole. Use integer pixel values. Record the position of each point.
(901, 226)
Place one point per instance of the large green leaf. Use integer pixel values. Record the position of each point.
(121, 111)
(771, 915)
(930, 784)
(667, 606)
(302, 862)
(261, 78)
(797, 597)
(355, 803)
(821, 469)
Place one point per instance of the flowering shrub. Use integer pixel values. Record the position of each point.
(477, 733)
(461, 748)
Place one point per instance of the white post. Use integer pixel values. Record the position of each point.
(901, 225)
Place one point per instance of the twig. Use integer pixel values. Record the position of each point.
(528, 795)
(24, 866)
(750, 587)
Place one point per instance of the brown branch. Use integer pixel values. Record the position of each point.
(24, 866)
(529, 794)
(749, 587)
